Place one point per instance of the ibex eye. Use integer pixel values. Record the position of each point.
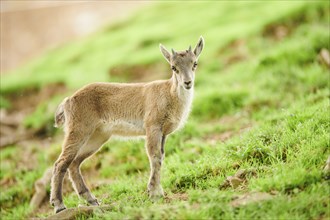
(174, 69)
(194, 66)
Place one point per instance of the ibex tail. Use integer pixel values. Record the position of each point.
(59, 114)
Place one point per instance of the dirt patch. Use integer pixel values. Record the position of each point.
(22, 104)
(226, 135)
(248, 198)
(283, 28)
(176, 196)
(28, 99)
(277, 31)
(230, 123)
(141, 73)
(234, 52)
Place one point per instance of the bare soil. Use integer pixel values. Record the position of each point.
(141, 73)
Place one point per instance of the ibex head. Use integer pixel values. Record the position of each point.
(184, 63)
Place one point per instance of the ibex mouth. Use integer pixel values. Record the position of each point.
(187, 87)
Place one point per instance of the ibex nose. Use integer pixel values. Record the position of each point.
(187, 83)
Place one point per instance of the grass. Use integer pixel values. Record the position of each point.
(275, 87)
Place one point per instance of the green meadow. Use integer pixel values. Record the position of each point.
(261, 107)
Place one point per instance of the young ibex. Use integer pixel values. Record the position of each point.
(101, 110)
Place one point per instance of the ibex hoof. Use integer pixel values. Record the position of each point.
(156, 194)
(94, 203)
(58, 205)
(59, 209)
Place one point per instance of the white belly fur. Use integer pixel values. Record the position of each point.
(125, 129)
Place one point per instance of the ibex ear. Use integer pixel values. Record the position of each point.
(165, 53)
(199, 47)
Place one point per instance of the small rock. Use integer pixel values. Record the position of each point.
(238, 179)
(324, 57)
(326, 169)
(242, 174)
(224, 185)
(234, 181)
(327, 166)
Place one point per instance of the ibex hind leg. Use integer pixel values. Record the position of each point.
(93, 145)
(74, 140)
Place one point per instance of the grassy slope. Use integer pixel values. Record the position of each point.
(135, 41)
(280, 89)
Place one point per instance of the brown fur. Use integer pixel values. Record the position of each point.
(100, 110)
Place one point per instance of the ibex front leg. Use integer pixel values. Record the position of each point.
(155, 148)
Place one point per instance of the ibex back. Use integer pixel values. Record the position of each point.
(101, 110)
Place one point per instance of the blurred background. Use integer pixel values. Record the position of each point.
(258, 134)
(28, 28)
